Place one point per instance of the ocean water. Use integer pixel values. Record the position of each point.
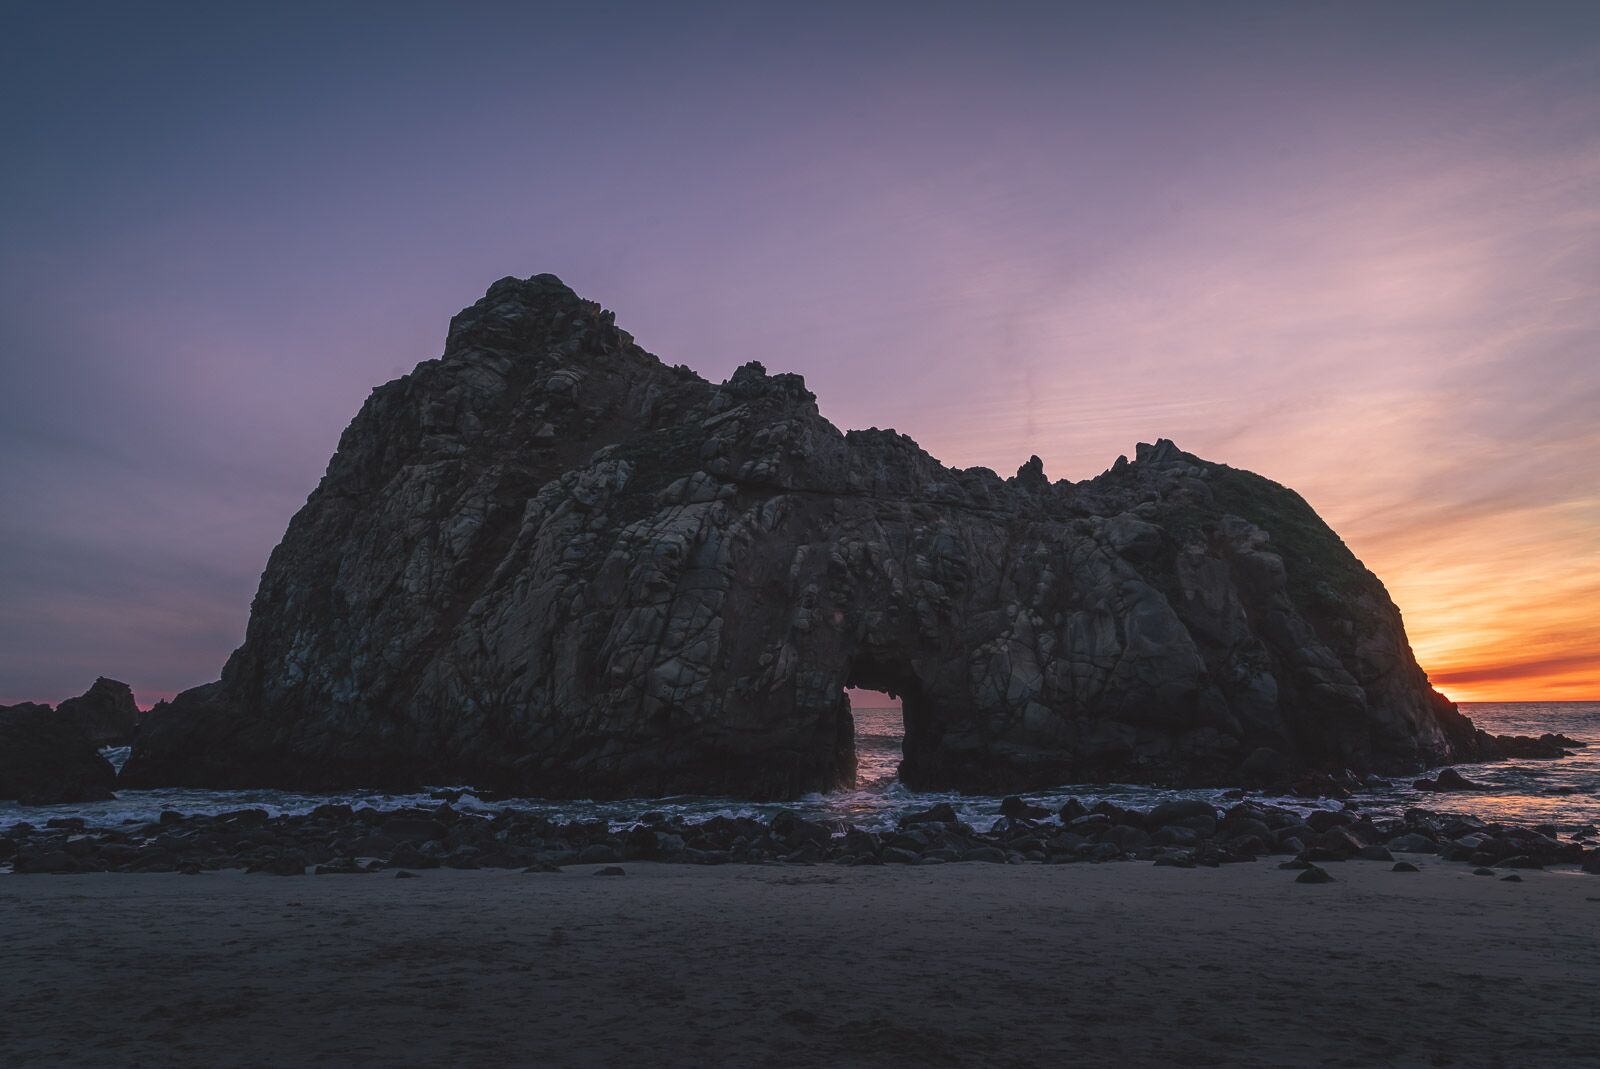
(1563, 792)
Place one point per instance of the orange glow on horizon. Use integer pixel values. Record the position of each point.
(1414, 358)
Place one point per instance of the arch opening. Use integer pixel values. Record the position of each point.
(883, 707)
(879, 731)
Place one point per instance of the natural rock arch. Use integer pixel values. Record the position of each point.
(548, 563)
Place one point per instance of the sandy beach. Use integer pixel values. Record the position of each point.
(824, 965)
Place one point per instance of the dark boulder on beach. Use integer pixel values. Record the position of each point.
(1182, 813)
(548, 563)
(1018, 808)
(1413, 843)
(943, 813)
(49, 759)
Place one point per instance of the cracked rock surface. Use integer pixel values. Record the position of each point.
(548, 563)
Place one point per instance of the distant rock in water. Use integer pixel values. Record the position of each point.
(47, 758)
(107, 712)
(1449, 780)
(549, 563)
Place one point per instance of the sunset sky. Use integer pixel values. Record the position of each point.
(1354, 247)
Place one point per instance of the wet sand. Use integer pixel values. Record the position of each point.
(954, 965)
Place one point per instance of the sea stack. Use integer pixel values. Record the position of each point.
(549, 563)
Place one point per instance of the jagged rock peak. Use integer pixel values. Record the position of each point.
(1163, 452)
(1031, 475)
(751, 379)
(106, 710)
(517, 310)
(549, 563)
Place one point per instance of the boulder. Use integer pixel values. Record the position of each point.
(413, 829)
(943, 813)
(1447, 780)
(548, 564)
(1413, 843)
(1016, 808)
(991, 854)
(1180, 812)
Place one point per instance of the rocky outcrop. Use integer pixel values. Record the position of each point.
(46, 758)
(106, 711)
(548, 563)
(338, 840)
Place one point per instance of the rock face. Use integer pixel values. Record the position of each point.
(106, 711)
(46, 758)
(549, 563)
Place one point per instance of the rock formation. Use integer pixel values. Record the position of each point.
(548, 563)
(107, 712)
(47, 758)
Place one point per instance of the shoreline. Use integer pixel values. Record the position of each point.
(790, 965)
(336, 839)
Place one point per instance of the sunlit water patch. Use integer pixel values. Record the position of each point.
(1563, 792)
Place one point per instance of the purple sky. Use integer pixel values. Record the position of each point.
(1352, 246)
